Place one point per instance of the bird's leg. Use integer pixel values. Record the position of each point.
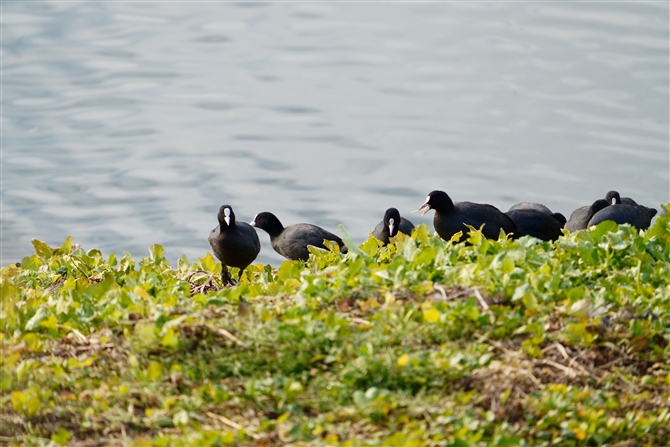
(239, 275)
(226, 278)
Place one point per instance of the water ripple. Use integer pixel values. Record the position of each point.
(125, 126)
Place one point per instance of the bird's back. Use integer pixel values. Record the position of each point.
(637, 216)
(536, 223)
(473, 214)
(293, 241)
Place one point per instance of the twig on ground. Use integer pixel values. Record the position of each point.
(232, 424)
(226, 334)
(483, 303)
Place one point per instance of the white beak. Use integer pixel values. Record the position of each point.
(227, 219)
(391, 226)
(425, 208)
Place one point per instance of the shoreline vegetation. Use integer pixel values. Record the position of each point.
(421, 342)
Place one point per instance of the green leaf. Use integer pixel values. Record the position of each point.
(62, 437)
(42, 249)
(431, 315)
(661, 228)
(289, 269)
(66, 247)
(529, 301)
(208, 263)
(525, 293)
(426, 256)
(32, 406)
(331, 245)
(33, 263)
(603, 228)
(520, 291)
(34, 322)
(581, 309)
(475, 236)
(458, 442)
(156, 254)
(5, 380)
(146, 333)
(155, 370)
(170, 339)
(403, 360)
(421, 233)
(351, 245)
(507, 266)
(99, 289)
(50, 323)
(8, 293)
(18, 400)
(371, 246)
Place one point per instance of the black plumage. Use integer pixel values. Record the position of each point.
(291, 242)
(536, 223)
(234, 243)
(541, 208)
(391, 224)
(531, 206)
(624, 210)
(579, 219)
(613, 198)
(450, 217)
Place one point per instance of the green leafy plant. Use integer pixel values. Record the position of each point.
(421, 342)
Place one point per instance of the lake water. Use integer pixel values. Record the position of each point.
(129, 124)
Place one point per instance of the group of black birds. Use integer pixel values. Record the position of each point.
(236, 244)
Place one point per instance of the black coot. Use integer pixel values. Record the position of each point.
(541, 208)
(235, 244)
(390, 226)
(451, 218)
(624, 211)
(579, 219)
(613, 198)
(291, 242)
(536, 223)
(531, 206)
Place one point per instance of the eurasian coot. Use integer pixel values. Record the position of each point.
(390, 226)
(623, 211)
(531, 206)
(541, 208)
(451, 218)
(613, 198)
(579, 219)
(235, 244)
(536, 223)
(291, 242)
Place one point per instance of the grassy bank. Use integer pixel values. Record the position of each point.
(424, 342)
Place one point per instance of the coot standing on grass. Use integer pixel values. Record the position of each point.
(391, 224)
(291, 242)
(235, 244)
(450, 217)
(623, 211)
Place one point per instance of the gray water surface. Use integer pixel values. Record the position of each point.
(129, 124)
